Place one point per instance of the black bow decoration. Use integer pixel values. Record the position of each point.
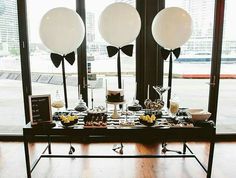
(112, 50)
(57, 58)
(165, 53)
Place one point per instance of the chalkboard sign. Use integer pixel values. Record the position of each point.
(40, 109)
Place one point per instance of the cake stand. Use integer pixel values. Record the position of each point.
(115, 114)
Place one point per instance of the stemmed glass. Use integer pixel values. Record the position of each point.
(158, 104)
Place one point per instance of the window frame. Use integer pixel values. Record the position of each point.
(145, 56)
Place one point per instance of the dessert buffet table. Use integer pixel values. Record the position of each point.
(160, 132)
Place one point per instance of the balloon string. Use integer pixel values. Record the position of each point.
(119, 69)
(169, 80)
(64, 82)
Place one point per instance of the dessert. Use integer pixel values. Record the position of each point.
(158, 104)
(115, 95)
(58, 104)
(96, 117)
(127, 123)
(148, 120)
(68, 120)
(81, 106)
(135, 106)
(154, 105)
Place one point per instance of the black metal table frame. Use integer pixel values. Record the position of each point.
(29, 168)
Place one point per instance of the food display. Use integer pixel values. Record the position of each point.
(68, 120)
(135, 106)
(154, 105)
(148, 120)
(99, 117)
(126, 123)
(81, 105)
(58, 104)
(96, 117)
(150, 112)
(115, 95)
(157, 104)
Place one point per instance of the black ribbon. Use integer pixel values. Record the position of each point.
(57, 58)
(112, 50)
(165, 53)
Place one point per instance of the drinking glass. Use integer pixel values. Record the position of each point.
(174, 107)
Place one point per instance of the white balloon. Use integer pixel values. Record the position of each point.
(172, 27)
(119, 24)
(61, 30)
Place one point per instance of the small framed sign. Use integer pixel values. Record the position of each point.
(40, 109)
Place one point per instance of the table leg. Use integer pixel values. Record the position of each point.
(49, 145)
(210, 159)
(27, 159)
(184, 147)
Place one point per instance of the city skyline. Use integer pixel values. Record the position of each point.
(200, 42)
(9, 38)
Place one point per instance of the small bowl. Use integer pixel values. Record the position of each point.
(199, 114)
(147, 123)
(144, 122)
(193, 111)
(68, 124)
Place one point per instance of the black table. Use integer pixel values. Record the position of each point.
(182, 134)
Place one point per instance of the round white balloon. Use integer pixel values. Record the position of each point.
(119, 24)
(172, 27)
(61, 30)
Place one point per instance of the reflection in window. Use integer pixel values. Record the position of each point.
(46, 78)
(101, 68)
(226, 106)
(11, 99)
(191, 70)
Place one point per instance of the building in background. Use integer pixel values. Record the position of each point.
(9, 36)
(199, 46)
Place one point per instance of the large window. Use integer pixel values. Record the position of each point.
(191, 71)
(11, 99)
(46, 78)
(227, 97)
(101, 68)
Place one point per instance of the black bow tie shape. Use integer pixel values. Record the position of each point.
(112, 50)
(165, 52)
(57, 58)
